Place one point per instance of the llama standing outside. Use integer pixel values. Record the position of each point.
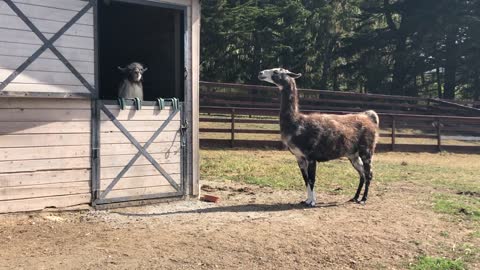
(322, 137)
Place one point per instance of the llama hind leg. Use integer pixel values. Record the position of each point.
(367, 165)
(359, 166)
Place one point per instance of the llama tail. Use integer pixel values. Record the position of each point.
(374, 116)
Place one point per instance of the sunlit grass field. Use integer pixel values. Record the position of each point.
(279, 169)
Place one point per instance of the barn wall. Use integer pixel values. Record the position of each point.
(47, 73)
(44, 153)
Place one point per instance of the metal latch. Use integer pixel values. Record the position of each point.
(95, 153)
(183, 131)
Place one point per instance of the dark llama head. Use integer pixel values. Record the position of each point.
(131, 85)
(133, 72)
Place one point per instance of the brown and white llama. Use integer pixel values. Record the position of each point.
(322, 137)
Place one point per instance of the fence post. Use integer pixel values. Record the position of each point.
(439, 135)
(393, 133)
(232, 128)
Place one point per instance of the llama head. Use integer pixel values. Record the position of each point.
(133, 72)
(278, 76)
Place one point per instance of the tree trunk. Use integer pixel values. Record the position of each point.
(476, 86)
(327, 63)
(439, 83)
(450, 62)
(335, 81)
(399, 68)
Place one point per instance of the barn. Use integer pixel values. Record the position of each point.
(64, 139)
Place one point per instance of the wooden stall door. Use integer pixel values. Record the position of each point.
(140, 154)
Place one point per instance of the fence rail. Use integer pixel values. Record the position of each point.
(436, 133)
(241, 117)
(258, 96)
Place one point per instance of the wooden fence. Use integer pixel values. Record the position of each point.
(257, 126)
(257, 96)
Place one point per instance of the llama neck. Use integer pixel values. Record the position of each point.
(289, 105)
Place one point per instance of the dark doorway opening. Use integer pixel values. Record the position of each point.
(151, 35)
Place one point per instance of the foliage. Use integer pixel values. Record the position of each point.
(407, 47)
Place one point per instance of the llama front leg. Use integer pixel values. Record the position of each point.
(303, 165)
(312, 168)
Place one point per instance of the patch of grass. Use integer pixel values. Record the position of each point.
(457, 205)
(475, 234)
(444, 234)
(433, 263)
(279, 169)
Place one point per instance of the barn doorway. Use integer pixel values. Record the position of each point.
(139, 152)
(145, 32)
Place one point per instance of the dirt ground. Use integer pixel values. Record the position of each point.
(251, 228)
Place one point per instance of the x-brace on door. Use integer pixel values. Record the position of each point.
(141, 152)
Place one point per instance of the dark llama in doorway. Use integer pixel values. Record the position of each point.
(319, 137)
(131, 86)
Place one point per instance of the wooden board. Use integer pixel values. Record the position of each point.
(26, 50)
(70, 41)
(141, 170)
(128, 148)
(141, 115)
(140, 191)
(141, 137)
(108, 126)
(54, 14)
(36, 103)
(47, 27)
(39, 140)
(44, 202)
(45, 65)
(193, 160)
(12, 154)
(45, 190)
(11, 128)
(140, 182)
(45, 177)
(29, 115)
(44, 164)
(47, 77)
(45, 88)
(73, 5)
(122, 160)
(5, 9)
(18, 36)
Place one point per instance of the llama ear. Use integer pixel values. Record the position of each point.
(294, 75)
(144, 69)
(122, 69)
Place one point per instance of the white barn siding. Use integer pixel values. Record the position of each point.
(44, 153)
(47, 73)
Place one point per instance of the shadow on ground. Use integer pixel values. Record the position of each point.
(237, 209)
